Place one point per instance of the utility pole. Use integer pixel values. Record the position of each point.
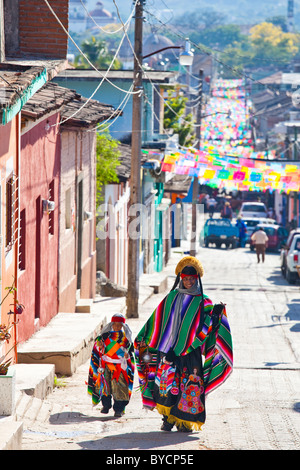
(194, 241)
(135, 186)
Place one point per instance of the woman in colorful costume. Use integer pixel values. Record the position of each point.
(112, 366)
(169, 350)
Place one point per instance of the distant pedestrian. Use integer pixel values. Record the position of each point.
(169, 349)
(271, 213)
(260, 240)
(112, 366)
(242, 231)
(226, 212)
(211, 206)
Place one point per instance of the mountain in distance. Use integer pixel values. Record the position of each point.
(235, 11)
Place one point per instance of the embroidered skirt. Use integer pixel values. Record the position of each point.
(179, 390)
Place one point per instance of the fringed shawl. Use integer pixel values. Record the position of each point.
(112, 355)
(196, 331)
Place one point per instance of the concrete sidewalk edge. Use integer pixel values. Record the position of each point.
(60, 347)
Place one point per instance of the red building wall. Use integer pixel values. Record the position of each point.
(39, 180)
(8, 169)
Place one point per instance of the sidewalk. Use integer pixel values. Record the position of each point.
(60, 348)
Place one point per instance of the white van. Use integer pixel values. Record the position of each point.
(253, 209)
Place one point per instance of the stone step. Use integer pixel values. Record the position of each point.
(35, 379)
(23, 404)
(66, 342)
(84, 306)
(11, 433)
(157, 281)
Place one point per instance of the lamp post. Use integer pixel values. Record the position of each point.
(193, 249)
(186, 57)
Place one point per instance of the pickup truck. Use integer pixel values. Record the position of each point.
(290, 257)
(219, 231)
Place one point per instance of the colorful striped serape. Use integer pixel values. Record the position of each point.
(111, 355)
(197, 334)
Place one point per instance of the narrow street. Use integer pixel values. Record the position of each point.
(258, 406)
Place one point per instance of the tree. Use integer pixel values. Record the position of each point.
(108, 159)
(205, 17)
(221, 36)
(280, 21)
(270, 42)
(174, 118)
(266, 45)
(98, 54)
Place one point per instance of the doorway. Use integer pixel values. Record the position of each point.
(38, 219)
(79, 231)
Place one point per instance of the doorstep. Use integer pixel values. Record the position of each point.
(11, 433)
(66, 341)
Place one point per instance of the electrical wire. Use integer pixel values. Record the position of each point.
(104, 76)
(128, 93)
(100, 125)
(104, 30)
(208, 51)
(145, 73)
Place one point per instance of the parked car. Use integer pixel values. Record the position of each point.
(290, 259)
(286, 249)
(252, 222)
(220, 231)
(277, 236)
(253, 209)
(292, 234)
(263, 220)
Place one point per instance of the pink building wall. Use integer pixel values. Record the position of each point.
(39, 180)
(77, 181)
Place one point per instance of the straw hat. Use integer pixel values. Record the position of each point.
(189, 261)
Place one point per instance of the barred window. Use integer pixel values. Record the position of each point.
(22, 241)
(51, 214)
(9, 213)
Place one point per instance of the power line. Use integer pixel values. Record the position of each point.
(208, 52)
(98, 127)
(102, 29)
(104, 76)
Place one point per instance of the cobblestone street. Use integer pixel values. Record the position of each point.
(258, 406)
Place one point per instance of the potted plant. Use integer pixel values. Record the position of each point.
(7, 376)
(7, 373)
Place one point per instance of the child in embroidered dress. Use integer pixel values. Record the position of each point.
(112, 366)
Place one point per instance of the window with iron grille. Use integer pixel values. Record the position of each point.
(9, 229)
(51, 214)
(22, 241)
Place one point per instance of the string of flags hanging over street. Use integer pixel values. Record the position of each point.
(227, 157)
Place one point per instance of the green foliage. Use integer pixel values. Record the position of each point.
(185, 130)
(267, 44)
(96, 50)
(220, 36)
(5, 329)
(108, 159)
(177, 104)
(205, 17)
(183, 127)
(59, 382)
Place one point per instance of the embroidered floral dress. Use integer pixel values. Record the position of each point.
(178, 389)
